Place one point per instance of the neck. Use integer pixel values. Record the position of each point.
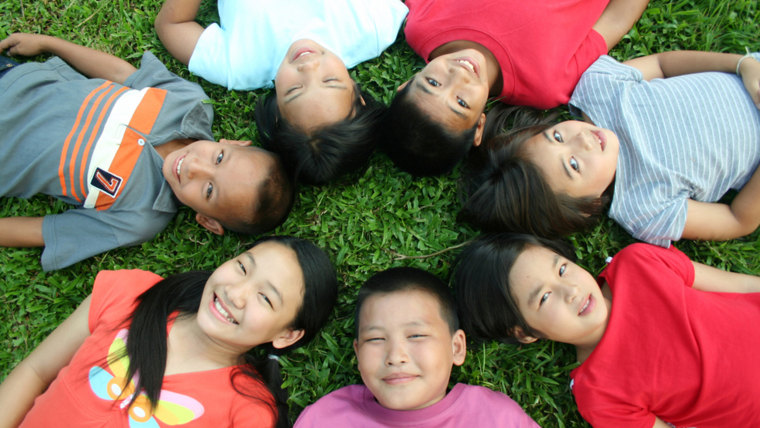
(168, 147)
(192, 350)
(492, 64)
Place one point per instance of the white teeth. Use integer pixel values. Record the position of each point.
(467, 64)
(221, 310)
(302, 54)
(179, 166)
(585, 305)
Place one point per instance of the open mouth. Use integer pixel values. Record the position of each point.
(468, 64)
(222, 311)
(586, 306)
(179, 167)
(601, 138)
(301, 53)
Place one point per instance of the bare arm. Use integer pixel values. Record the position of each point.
(177, 29)
(658, 423)
(21, 232)
(33, 375)
(618, 18)
(708, 278)
(716, 221)
(676, 63)
(90, 62)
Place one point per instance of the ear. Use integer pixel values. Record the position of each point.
(479, 130)
(402, 86)
(361, 98)
(459, 347)
(209, 223)
(356, 348)
(521, 336)
(287, 338)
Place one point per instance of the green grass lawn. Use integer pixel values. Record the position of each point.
(368, 221)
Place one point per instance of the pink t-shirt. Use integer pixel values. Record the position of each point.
(465, 405)
(85, 393)
(543, 46)
(683, 355)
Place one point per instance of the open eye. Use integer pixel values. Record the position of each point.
(266, 299)
(209, 190)
(544, 298)
(558, 137)
(219, 158)
(574, 164)
(433, 82)
(242, 267)
(462, 103)
(562, 269)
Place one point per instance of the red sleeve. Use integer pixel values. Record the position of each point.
(114, 294)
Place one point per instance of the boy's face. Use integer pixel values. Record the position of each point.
(405, 349)
(313, 87)
(220, 181)
(576, 158)
(452, 89)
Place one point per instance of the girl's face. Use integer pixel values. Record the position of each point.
(557, 298)
(576, 158)
(253, 299)
(313, 87)
(452, 89)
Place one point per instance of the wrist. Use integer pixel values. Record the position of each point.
(741, 61)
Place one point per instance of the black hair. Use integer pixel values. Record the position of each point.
(481, 279)
(505, 190)
(419, 145)
(327, 152)
(409, 279)
(276, 195)
(147, 337)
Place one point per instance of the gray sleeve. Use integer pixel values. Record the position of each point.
(81, 233)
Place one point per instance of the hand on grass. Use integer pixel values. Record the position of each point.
(750, 73)
(23, 44)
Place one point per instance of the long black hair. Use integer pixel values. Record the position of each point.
(147, 337)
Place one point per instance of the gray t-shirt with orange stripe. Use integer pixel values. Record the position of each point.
(89, 142)
(694, 136)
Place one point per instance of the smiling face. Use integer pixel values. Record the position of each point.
(313, 87)
(220, 181)
(576, 158)
(253, 299)
(557, 298)
(406, 350)
(452, 89)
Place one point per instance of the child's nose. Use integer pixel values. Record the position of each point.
(308, 65)
(397, 354)
(238, 294)
(586, 140)
(198, 169)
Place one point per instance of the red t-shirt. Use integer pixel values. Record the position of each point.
(542, 46)
(83, 393)
(683, 355)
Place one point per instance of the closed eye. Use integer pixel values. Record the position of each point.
(292, 89)
(374, 339)
(557, 137)
(432, 82)
(266, 299)
(417, 336)
(330, 79)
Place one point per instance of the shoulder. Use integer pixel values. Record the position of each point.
(499, 405)
(114, 293)
(337, 404)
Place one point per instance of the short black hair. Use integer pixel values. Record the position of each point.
(276, 196)
(327, 152)
(419, 145)
(409, 279)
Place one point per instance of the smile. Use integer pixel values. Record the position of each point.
(398, 378)
(222, 311)
(179, 167)
(601, 138)
(301, 53)
(585, 306)
(468, 64)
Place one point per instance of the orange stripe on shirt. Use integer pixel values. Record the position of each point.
(86, 152)
(129, 150)
(62, 162)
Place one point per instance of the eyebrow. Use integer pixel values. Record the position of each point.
(537, 290)
(564, 165)
(268, 284)
(427, 90)
(332, 86)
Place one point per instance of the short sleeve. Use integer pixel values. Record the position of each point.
(114, 294)
(600, 87)
(659, 220)
(210, 50)
(80, 233)
(645, 257)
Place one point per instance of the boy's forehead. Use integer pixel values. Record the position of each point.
(415, 305)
